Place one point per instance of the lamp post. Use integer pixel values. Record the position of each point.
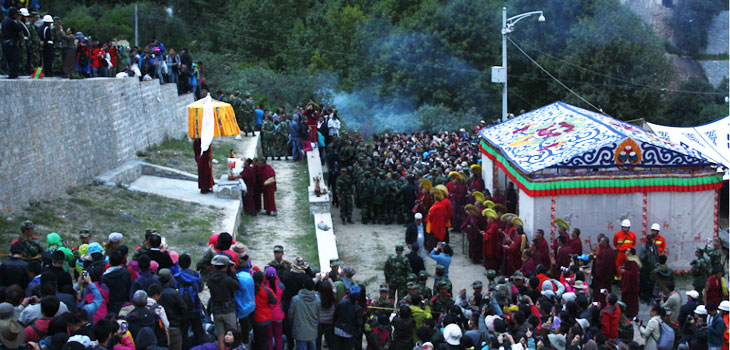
(508, 27)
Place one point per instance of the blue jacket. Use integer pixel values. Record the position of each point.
(715, 330)
(144, 280)
(441, 259)
(244, 295)
(95, 304)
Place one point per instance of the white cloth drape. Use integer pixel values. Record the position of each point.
(207, 127)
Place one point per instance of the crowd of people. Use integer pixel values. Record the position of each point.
(31, 41)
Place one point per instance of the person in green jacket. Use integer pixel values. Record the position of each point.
(282, 139)
(54, 242)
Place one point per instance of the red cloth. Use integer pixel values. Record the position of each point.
(262, 313)
(477, 184)
(89, 298)
(514, 255)
(542, 278)
(457, 192)
(563, 258)
(554, 244)
(610, 316)
(622, 241)
(205, 169)
(630, 287)
(603, 271)
(113, 54)
(438, 219)
(491, 248)
(425, 203)
(95, 59)
(249, 178)
(31, 335)
(714, 293)
(528, 266)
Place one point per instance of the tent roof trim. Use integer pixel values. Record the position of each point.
(560, 135)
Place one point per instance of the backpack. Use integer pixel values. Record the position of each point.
(145, 317)
(96, 269)
(666, 340)
(188, 286)
(83, 58)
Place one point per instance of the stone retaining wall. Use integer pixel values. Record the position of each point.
(55, 134)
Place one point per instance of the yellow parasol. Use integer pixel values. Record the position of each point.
(225, 119)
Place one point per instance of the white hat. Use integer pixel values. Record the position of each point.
(724, 306)
(700, 310)
(418, 216)
(694, 294)
(626, 223)
(452, 334)
(47, 19)
(656, 227)
(24, 12)
(81, 339)
(115, 237)
(568, 297)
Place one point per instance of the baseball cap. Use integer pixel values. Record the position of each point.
(355, 289)
(418, 216)
(220, 260)
(694, 294)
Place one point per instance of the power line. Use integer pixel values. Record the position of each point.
(607, 85)
(554, 78)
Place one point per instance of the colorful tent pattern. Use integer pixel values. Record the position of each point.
(225, 119)
(560, 135)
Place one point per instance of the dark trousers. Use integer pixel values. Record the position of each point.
(196, 323)
(10, 51)
(262, 337)
(47, 60)
(245, 325)
(328, 331)
(343, 343)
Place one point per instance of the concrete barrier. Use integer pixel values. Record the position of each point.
(319, 208)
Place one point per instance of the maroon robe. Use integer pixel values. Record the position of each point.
(205, 168)
(514, 255)
(604, 268)
(457, 197)
(576, 245)
(263, 173)
(554, 244)
(630, 287)
(544, 252)
(491, 248)
(562, 259)
(471, 229)
(477, 184)
(528, 266)
(249, 178)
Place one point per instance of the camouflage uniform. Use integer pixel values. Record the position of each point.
(32, 245)
(33, 58)
(280, 267)
(440, 302)
(237, 104)
(380, 188)
(440, 276)
(701, 270)
(282, 139)
(367, 193)
(422, 287)
(57, 49)
(714, 255)
(396, 271)
(344, 198)
(267, 138)
(357, 175)
(248, 115)
(408, 299)
(384, 303)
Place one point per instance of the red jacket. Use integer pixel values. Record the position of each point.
(610, 316)
(96, 61)
(264, 298)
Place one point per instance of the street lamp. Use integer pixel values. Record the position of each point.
(499, 74)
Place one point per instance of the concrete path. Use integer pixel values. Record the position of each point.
(188, 191)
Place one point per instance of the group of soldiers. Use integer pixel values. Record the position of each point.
(275, 140)
(243, 106)
(381, 178)
(29, 46)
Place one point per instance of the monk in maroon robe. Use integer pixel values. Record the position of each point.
(249, 178)
(205, 168)
(630, 283)
(471, 229)
(490, 245)
(542, 255)
(562, 259)
(457, 197)
(528, 261)
(554, 244)
(604, 268)
(574, 242)
(264, 172)
(514, 252)
(477, 183)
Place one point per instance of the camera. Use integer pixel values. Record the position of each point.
(564, 269)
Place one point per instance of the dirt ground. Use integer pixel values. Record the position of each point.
(292, 228)
(367, 247)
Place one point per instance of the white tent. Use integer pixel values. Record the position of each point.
(712, 140)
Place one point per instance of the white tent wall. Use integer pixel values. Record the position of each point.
(686, 218)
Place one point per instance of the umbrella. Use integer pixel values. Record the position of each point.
(225, 119)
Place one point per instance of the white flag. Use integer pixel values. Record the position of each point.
(207, 129)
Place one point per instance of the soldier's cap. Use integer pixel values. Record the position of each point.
(411, 285)
(278, 249)
(334, 262)
(491, 273)
(84, 233)
(384, 288)
(518, 274)
(700, 249)
(442, 284)
(149, 231)
(399, 246)
(440, 268)
(476, 284)
(412, 276)
(27, 225)
(237, 93)
(56, 18)
(423, 275)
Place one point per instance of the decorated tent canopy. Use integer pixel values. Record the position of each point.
(711, 140)
(561, 149)
(593, 171)
(225, 119)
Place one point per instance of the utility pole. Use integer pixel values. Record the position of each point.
(136, 28)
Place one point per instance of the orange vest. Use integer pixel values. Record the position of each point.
(624, 240)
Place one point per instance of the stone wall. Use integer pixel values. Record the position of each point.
(717, 35)
(55, 134)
